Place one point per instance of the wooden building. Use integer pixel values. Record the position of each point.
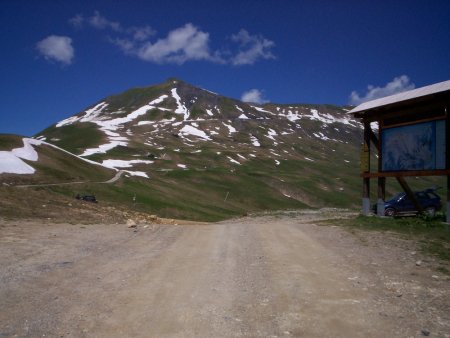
(413, 139)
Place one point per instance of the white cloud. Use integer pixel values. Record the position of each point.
(57, 48)
(77, 21)
(252, 48)
(100, 22)
(397, 85)
(253, 96)
(141, 33)
(97, 21)
(180, 45)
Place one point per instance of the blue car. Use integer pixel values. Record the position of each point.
(401, 204)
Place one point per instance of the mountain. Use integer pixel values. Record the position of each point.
(175, 125)
(192, 153)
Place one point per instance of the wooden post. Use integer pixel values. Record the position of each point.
(447, 158)
(448, 201)
(366, 180)
(381, 191)
(381, 195)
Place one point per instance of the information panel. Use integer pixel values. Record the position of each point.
(414, 147)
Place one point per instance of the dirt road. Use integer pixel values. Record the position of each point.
(253, 277)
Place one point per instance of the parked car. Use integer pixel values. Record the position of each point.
(401, 204)
(88, 198)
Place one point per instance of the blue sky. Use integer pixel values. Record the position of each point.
(58, 57)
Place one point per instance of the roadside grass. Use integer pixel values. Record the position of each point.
(432, 234)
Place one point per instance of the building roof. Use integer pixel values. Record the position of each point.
(405, 96)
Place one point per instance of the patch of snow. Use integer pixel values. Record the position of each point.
(277, 162)
(293, 116)
(110, 126)
(181, 108)
(239, 155)
(143, 123)
(255, 141)
(163, 121)
(308, 159)
(137, 173)
(287, 195)
(271, 133)
(27, 152)
(239, 108)
(252, 155)
(262, 110)
(11, 164)
(233, 160)
(209, 112)
(244, 117)
(11, 161)
(190, 130)
(114, 164)
(328, 119)
(230, 127)
(103, 148)
(181, 166)
(321, 136)
(89, 115)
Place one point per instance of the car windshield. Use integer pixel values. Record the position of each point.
(396, 197)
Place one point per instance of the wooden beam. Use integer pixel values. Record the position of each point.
(407, 173)
(410, 194)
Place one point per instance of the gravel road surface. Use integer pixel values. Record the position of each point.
(252, 277)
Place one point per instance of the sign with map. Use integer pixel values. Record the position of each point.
(414, 147)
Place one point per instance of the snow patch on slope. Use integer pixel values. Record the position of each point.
(11, 161)
(114, 164)
(109, 127)
(255, 141)
(231, 129)
(190, 130)
(233, 160)
(88, 116)
(181, 108)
